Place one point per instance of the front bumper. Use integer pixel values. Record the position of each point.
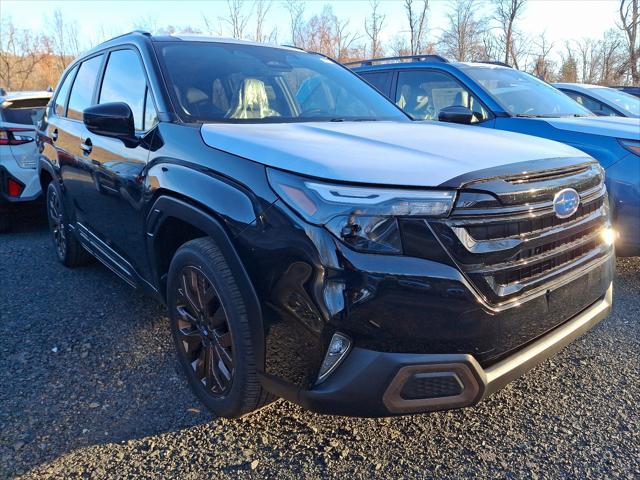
(371, 383)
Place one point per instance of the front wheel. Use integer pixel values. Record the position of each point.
(210, 328)
(68, 249)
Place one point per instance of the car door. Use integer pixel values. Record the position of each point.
(112, 206)
(422, 93)
(67, 133)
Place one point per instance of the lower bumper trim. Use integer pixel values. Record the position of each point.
(370, 383)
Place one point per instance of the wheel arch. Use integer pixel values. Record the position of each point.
(190, 221)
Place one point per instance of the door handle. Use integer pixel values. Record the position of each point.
(86, 146)
(54, 135)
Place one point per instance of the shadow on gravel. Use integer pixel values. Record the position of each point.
(89, 385)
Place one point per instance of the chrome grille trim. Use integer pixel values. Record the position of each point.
(509, 250)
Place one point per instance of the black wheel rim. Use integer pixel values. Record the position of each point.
(57, 223)
(204, 337)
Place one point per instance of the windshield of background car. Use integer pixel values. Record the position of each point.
(620, 100)
(229, 82)
(524, 95)
(26, 111)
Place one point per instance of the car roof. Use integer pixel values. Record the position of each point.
(577, 86)
(437, 62)
(140, 36)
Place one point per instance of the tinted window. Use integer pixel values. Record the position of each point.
(523, 95)
(125, 81)
(246, 83)
(380, 80)
(83, 86)
(63, 94)
(590, 103)
(422, 94)
(24, 111)
(625, 102)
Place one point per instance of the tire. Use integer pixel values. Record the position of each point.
(210, 328)
(5, 221)
(68, 249)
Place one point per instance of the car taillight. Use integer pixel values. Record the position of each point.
(14, 188)
(11, 136)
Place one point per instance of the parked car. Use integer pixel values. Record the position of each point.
(309, 240)
(602, 101)
(500, 97)
(19, 113)
(635, 91)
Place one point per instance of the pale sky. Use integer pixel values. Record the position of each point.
(561, 19)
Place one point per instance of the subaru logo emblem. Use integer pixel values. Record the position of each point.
(566, 202)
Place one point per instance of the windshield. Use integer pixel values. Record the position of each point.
(230, 82)
(524, 95)
(620, 100)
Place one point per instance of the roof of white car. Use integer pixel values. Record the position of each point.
(577, 86)
(24, 95)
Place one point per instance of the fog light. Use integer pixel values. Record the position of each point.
(337, 351)
(609, 235)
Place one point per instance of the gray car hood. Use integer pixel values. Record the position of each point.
(386, 153)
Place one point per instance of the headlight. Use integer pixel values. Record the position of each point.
(631, 145)
(365, 218)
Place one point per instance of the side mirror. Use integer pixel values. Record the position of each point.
(455, 114)
(113, 120)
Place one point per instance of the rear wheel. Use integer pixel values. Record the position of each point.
(67, 247)
(211, 332)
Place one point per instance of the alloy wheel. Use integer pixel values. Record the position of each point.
(203, 332)
(57, 223)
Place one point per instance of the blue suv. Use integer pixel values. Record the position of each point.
(495, 95)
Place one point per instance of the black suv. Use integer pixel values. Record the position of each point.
(309, 240)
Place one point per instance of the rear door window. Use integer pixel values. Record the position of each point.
(60, 107)
(380, 80)
(83, 87)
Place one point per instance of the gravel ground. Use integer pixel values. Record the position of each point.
(90, 387)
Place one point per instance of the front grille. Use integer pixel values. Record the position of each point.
(504, 234)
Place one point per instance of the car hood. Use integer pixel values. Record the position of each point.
(618, 127)
(386, 153)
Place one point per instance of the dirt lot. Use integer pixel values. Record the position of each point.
(89, 386)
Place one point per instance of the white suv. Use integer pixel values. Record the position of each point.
(19, 114)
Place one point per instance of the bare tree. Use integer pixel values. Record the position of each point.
(630, 24)
(296, 20)
(569, 67)
(262, 8)
(417, 24)
(612, 59)
(237, 18)
(21, 52)
(65, 39)
(327, 34)
(543, 66)
(588, 59)
(399, 46)
(462, 39)
(373, 25)
(507, 12)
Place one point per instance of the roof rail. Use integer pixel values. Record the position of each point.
(413, 58)
(493, 62)
(141, 32)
